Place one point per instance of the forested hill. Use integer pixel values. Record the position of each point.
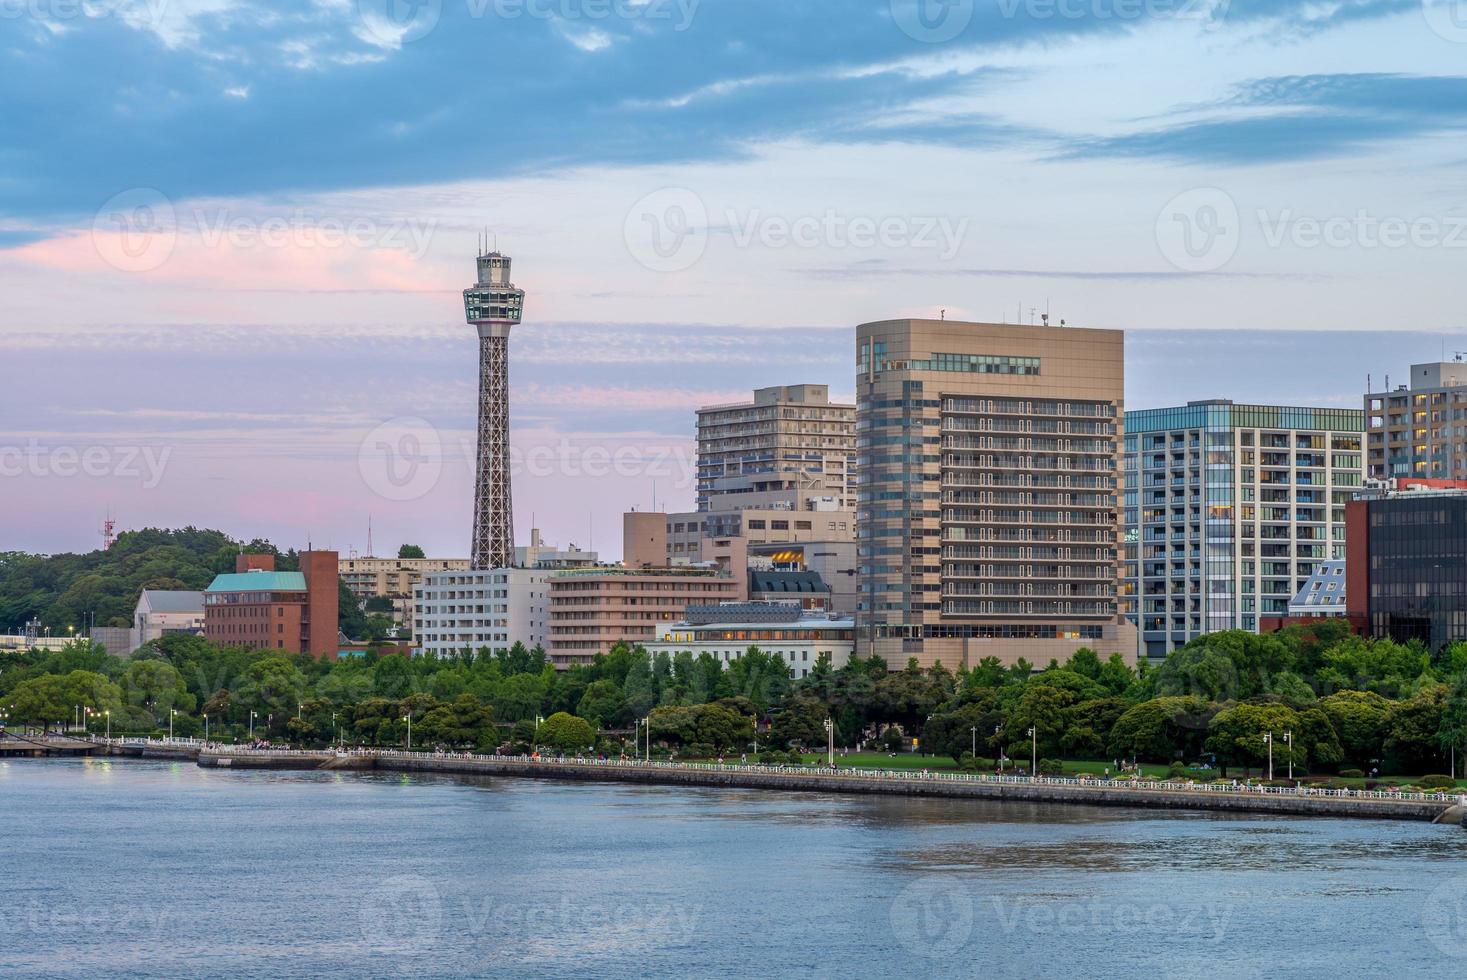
(68, 590)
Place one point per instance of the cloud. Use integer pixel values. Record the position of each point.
(1289, 118)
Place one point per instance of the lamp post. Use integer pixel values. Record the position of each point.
(108, 713)
(206, 727)
(647, 724)
(171, 713)
(409, 719)
(333, 728)
(1268, 740)
(253, 716)
(1033, 752)
(1289, 741)
(974, 753)
(997, 734)
(829, 743)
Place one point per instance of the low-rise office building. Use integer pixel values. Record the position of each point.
(291, 612)
(163, 611)
(786, 630)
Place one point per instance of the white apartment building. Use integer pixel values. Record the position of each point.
(161, 611)
(1229, 511)
(489, 608)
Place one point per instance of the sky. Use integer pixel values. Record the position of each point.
(233, 234)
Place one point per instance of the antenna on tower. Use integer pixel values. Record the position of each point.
(370, 553)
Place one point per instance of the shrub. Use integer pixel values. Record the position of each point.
(1176, 770)
(1436, 781)
(1351, 774)
(772, 757)
(1050, 767)
(968, 762)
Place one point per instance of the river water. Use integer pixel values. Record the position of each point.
(127, 868)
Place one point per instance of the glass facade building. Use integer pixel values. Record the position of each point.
(1228, 510)
(1417, 567)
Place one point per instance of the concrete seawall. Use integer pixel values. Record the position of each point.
(850, 781)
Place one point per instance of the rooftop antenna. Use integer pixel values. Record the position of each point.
(370, 552)
(942, 313)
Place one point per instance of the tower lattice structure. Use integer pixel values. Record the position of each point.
(493, 305)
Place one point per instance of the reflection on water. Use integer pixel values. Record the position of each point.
(127, 868)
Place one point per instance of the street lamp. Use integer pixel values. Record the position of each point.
(647, 724)
(108, 713)
(253, 716)
(206, 727)
(997, 734)
(829, 743)
(974, 753)
(1289, 741)
(409, 719)
(1034, 752)
(171, 713)
(1268, 740)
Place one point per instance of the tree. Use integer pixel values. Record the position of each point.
(566, 732)
(601, 705)
(349, 616)
(1161, 729)
(410, 551)
(1044, 709)
(1359, 719)
(1412, 744)
(953, 732)
(158, 685)
(799, 721)
(1236, 735)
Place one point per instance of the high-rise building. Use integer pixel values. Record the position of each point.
(1229, 510)
(1421, 430)
(790, 437)
(988, 517)
(392, 578)
(493, 305)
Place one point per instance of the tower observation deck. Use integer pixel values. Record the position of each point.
(493, 306)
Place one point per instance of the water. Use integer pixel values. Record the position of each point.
(129, 868)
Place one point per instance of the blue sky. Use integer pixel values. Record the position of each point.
(237, 230)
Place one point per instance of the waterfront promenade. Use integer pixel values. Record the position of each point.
(1301, 801)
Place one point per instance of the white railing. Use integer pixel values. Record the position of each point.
(878, 775)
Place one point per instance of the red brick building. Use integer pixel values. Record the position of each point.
(258, 607)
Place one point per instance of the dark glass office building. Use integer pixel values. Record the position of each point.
(1416, 575)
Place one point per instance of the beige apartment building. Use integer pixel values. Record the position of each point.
(1419, 430)
(988, 513)
(591, 609)
(392, 578)
(790, 437)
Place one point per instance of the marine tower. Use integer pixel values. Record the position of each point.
(493, 306)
